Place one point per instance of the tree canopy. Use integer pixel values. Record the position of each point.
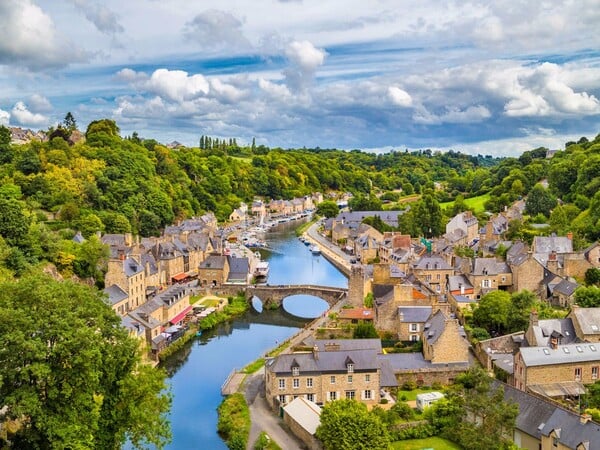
(69, 373)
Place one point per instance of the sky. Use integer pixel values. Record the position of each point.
(475, 76)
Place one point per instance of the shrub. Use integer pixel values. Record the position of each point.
(420, 431)
(409, 385)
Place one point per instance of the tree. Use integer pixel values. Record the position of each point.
(539, 201)
(14, 221)
(474, 414)
(69, 122)
(587, 297)
(71, 374)
(492, 311)
(518, 313)
(328, 208)
(365, 330)
(592, 276)
(347, 424)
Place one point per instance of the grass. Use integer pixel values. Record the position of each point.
(405, 199)
(279, 349)
(254, 366)
(435, 443)
(234, 421)
(476, 204)
(264, 442)
(411, 395)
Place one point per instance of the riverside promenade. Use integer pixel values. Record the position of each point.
(330, 251)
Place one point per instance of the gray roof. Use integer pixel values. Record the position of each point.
(538, 417)
(131, 267)
(414, 314)
(115, 294)
(489, 266)
(305, 413)
(388, 217)
(565, 287)
(544, 329)
(148, 258)
(432, 263)
(455, 282)
(238, 268)
(548, 244)
(563, 354)
(327, 361)
(387, 378)
(463, 299)
(172, 294)
(406, 362)
(213, 262)
(78, 238)
(588, 319)
(349, 344)
(435, 327)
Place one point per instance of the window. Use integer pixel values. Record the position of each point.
(310, 397)
(368, 395)
(350, 395)
(282, 399)
(309, 382)
(414, 338)
(485, 283)
(503, 279)
(414, 327)
(368, 377)
(594, 372)
(577, 373)
(281, 383)
(427, 277)
(438, 276)
(332, 395)
(332, 379)
(296, 383)
(295, 371)
(350, 368)
(349, 378)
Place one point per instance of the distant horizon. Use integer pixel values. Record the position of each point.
(478, 78)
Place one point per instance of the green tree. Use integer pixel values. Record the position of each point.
(492, 311)
(328, 208)
(539, 201)
(71, 374)
(347, 425)
(14, 221)
(518, 313)
(588, 297)
(592, 276)
(365, 330)
(69, 122)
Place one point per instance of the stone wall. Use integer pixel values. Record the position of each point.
(426, 377)
(311, 442)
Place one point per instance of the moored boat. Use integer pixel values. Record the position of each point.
(314, 249)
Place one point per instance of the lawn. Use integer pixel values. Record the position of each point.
(473, 203)
(435, 443)
(411, 395)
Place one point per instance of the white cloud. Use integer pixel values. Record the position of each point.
(105, 20)
(215, 30)
(39, 104)
(22, 116)
(399, 97)
(28, 38)
(4, 117)
(177, 85)
(130, 76)
(275, 90)
(226, 92)
(305, 55)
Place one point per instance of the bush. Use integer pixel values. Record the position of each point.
(409, 385)
(420, 431)
(234, 421)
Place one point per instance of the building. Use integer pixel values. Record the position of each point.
(303, 417)
(444, 340)
(489, 274)
(334, 369)
(426, 399)
(464, 227)
(434, 272)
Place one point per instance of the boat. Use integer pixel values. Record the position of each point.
(262, 269)
(314, 249)
(306, 242)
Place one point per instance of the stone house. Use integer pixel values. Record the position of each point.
(489, 274)
(334, 369)
(391, 242)
(127, 273)
(356, 315)
(367, 244)
(213, 271)
(586, 322)
(117, 299)
(527, 272)
(464, 225)
(433, 271)
(444, 340)
(412, 320)
(237, 215)
(303, 417)
(170, 261)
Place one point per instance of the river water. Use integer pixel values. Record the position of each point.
(199, 370)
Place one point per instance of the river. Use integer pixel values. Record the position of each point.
(199, 370)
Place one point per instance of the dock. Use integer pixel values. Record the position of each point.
(233, 382)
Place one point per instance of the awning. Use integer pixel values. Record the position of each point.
(560, 389)
(180, 276)
(179, 317)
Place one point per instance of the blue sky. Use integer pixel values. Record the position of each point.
(480, 77)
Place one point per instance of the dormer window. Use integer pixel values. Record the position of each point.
(350, 368)
(295, 371)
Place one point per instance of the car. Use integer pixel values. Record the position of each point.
(352, 260)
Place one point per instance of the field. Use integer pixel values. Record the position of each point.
(434, 443)
(411, 395)
(474, 203)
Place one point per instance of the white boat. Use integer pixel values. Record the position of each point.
(314, 249)
(262, 269)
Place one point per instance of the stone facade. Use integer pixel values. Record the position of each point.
(443, 340)
(527, 273)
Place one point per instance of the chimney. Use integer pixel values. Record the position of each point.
(533, 318)
(585, 418)
(570, 235)
(315, 352)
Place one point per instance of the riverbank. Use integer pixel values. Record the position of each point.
(331, 252)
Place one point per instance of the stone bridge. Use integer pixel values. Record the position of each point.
(274, 294)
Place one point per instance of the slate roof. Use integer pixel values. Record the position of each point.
(538, 417)
(431, 263)
(350, 344)
(455, 282)
(434, 328)
(414, 314)
(548, 244)
(489, 266)
(172, 294)
(305, 413)
(148, 258)
(543, 330)
(78, 238)
(563, 354)
(565, 287)
(238, 268)
(588, 319)
(213, 262)
(327, 361)
(388, 217)
(406, 362)
(131, 267)
(387, 378)
(115, 294)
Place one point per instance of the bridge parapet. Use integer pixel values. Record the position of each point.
(275, 294)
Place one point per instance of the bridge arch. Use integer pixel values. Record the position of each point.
(273, 295)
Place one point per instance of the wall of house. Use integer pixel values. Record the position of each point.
(555, 373)
(526, 441)
(527, 275)
(206, 275)
(427, 377)
(575, 264)
(311, 442)
(450, 347)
